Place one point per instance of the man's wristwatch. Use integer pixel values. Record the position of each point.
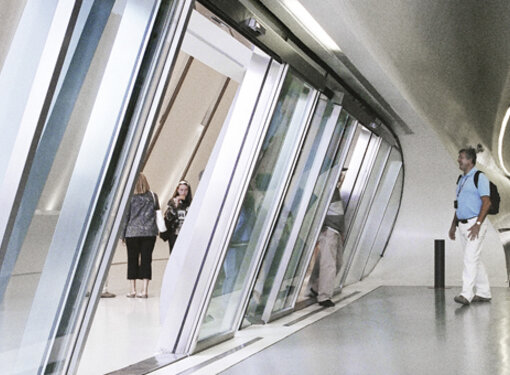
(479, 223)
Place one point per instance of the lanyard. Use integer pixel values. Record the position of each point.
(465, 178)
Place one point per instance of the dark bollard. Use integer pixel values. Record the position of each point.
(439, 264)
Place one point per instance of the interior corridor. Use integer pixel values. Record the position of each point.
(397, 330)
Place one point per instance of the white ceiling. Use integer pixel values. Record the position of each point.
(438, 63)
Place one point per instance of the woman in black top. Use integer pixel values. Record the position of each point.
(176, 212)
(140, 236)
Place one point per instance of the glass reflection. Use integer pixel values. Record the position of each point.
(284, 225)
(256, 212)
(304, 250)
(43, 278)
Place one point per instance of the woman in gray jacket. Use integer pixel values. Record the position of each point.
(140, 236)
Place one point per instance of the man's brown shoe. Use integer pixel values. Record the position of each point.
(461, 299)
(480, 299)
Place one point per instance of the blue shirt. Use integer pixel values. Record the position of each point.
(469, 201)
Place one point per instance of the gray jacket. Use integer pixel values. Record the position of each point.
(335, 215)
(141, 216)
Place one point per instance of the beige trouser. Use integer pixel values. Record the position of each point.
(328, 262)
(474, 277)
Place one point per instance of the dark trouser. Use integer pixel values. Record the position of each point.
(171, 242)
(139, 250)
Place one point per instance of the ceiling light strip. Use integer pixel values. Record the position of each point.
(500, 141)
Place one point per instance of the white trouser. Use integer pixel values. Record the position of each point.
(328, 261)
(474, 277)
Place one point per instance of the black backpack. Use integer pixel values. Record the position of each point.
(494, 194)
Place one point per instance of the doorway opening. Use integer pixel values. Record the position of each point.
(200, 93)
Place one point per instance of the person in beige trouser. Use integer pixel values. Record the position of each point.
(471, 208)
(331, 250)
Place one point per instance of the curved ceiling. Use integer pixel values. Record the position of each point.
(449, 60)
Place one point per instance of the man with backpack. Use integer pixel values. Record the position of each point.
(471, 207)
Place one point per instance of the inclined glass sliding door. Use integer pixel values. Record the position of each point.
(376, 212)
(384, 231)
(295, 274)
(256, 217)
(358, 164)
(60, 227)
(375, 171)
(286, 229)
(26, 31)
(198, 252)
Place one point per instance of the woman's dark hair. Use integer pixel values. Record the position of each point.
(189, 197)
(470, 153)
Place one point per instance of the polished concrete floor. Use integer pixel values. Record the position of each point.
(396, 330)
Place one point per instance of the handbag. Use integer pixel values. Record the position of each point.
(160, 220)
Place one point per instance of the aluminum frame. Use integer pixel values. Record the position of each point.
(360, 184)
(79, 59)
(259, 250)
(94, 155)
(383, 225)
(252, 280)
(18, 72)
(320, 218)
(363, 197)
(264, 119)
(30, 109)
(383, 196)
(187, 283)
(275, 210)
(131, 159)
(282, 200)
(362, 174)
(301, 211)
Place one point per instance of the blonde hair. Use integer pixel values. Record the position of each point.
(142, 186)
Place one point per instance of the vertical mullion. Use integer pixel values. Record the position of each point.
(371, 198)
(329, 195)
(19, 70)
(301, 211)
(31, 125)
(81, 197)
(132, 158)
(263, 129)
(387, 197)
(259, 253)
(183, 298)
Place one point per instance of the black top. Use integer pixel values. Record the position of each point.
(175, 215)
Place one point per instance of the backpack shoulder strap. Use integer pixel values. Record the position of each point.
(476, 178)
(458, 179)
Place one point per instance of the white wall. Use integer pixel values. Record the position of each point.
(425, 214)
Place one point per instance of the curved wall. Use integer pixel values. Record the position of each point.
(425, 214)
(434, 74)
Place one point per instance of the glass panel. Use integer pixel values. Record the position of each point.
(43, 276)
(303, 258)
(355, 177)
(260, 202)
(288, 287)
(375, 171)
(9, 20)
(376, 213)
(24, 31)
(386, 227)
(195, 264)
(294, 198)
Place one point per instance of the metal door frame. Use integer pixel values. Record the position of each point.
(321, 217)
(260, 248)
(371, 198)
(301, 211)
